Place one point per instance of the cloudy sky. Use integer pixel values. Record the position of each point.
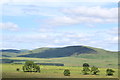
(30, 24)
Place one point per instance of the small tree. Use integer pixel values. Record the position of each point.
(86, 69)
(94, 70)
(66, 72)
(109, 72)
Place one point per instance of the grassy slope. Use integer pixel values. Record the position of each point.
(9, 71)
(59, 52)
(9, 54)
(63, 52)
(100, 60)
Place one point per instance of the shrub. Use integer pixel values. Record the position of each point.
(17, 69)
(85, 70)
(109, 72)
(94, 70)
(66, 72)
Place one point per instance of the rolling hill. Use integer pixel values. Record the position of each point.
(69, 56)
(53, 52)
(59, 52)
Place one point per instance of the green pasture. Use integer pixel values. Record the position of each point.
(93, 60)
(9, 71)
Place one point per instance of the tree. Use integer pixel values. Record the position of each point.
(86, 69)
(30, 66)
(94, 70)
(36, 68)
(85, 65)
(109, 72)
(24, 68)
(66, 72)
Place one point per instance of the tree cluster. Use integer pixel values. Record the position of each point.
(94, 70)
(30, 66)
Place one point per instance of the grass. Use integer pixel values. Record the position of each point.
(9, 71)
(92, 59)
(103, 60)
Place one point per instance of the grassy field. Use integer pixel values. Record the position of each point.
(94, 60)
(9, 71)
(74, 63)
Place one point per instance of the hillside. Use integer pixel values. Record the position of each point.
(53, 52)
(59, 52)
(13, 52)
(69, 56)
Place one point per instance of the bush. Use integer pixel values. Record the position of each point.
(85, 70)
(94, 70)
(66, 72)
(17, 69)
(109, 72)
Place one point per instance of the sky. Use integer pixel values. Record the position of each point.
(31, 24)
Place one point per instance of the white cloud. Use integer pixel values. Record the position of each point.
(112, 39)
(114, 31)
(54, 39)
(37, 1)
(9, 26)
(96, 11)
(25, 10)
(87, 15)
(67, 16)
(63, 20)
(109, 36)
(34, 7)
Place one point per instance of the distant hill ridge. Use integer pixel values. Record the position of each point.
(10, 50)
(53, 52)
(59, 52)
